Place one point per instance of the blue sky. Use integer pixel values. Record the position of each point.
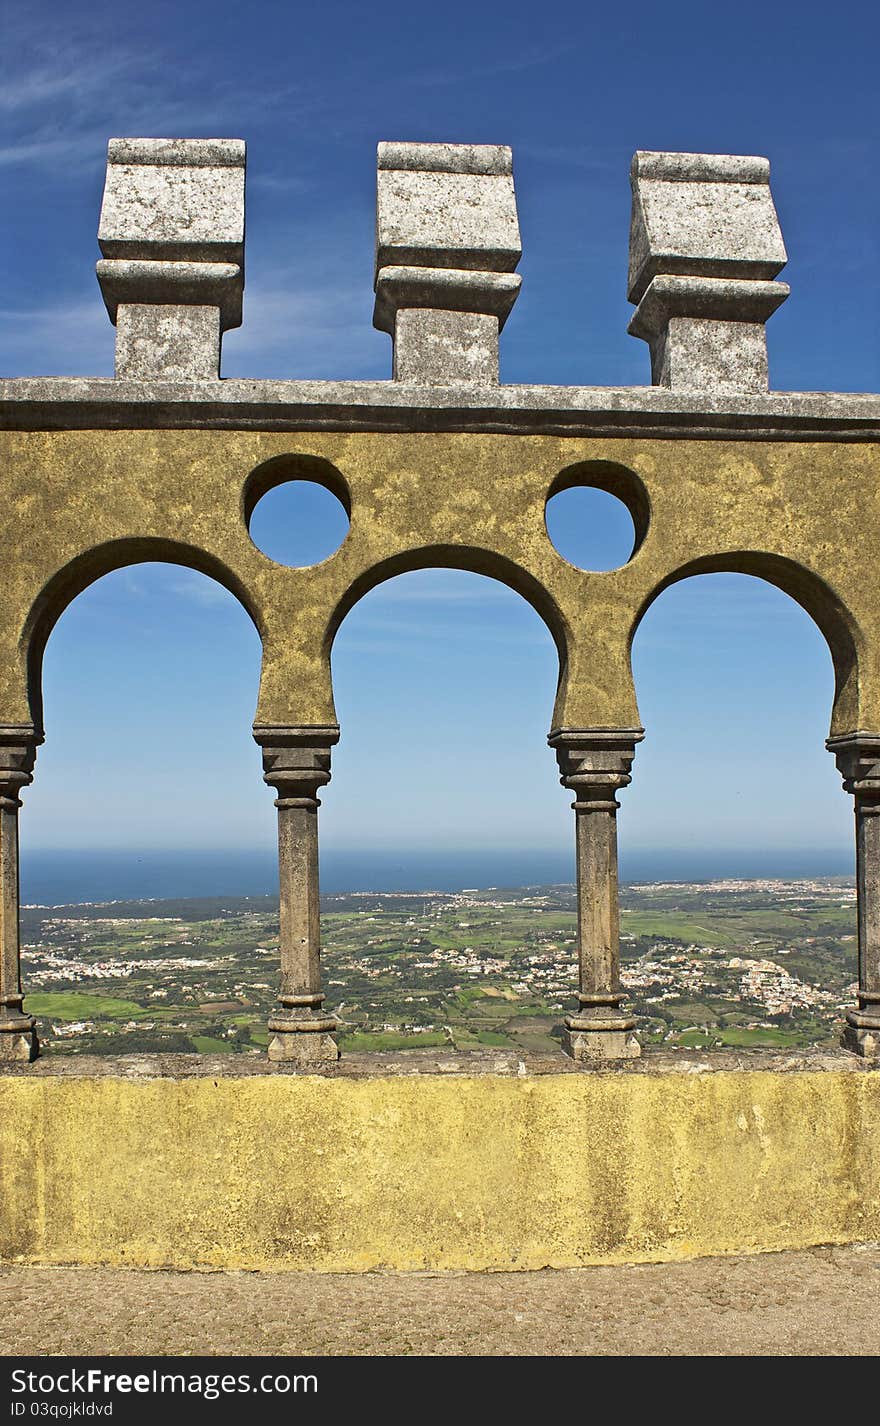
(151, 675)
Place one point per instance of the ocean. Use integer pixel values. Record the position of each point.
(64, 877)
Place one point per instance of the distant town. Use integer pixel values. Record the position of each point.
(725, 963)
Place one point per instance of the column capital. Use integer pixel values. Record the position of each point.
(18, 751)
(594, 763)
(296, 760)
(858, 762)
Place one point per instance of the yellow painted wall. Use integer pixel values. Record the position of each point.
(432, 1171)
(801, 514)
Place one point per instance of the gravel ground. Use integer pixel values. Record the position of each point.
(791, 1304)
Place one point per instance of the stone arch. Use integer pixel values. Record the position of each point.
(814, 595)
(472, 559)
(92, 564)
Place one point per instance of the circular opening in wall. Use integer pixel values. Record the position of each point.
(597, 515)
(297, 510)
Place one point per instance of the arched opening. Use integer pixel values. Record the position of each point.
(597, 514)
(297, 509)
(147, 824)
(446, 843)
(111, 558)
(590, 528)
(738, 909)
(472, 560)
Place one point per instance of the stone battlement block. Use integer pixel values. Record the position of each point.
(705, 245)
(702, 215)
(446, 205)
(447, 241)
(175, 200)
(172, 236)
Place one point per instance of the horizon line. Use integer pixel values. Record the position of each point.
(408, 849)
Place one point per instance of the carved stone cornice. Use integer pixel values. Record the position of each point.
(18, 751)
(445, 290)
(594, 763)
(296, 761)
(858, 761)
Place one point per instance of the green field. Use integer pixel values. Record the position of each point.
(398, 970)
(754, 1039)
(388, 1040)
(78, 1005)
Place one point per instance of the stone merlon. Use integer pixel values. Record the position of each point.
(702, 215)
(705, 245)
(172, 235)
(447, 241)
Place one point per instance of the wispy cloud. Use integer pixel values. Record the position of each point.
(69, 87)
(308, 330)
(296, 332)
(448, 631)
(308, 318)
(724, 612)
(442, 587)
(77, 78)
(442, 608)
(74, 338)
(199, 589)
(63, 85)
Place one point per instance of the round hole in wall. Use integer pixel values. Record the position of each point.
(597, 515)
(297, 509)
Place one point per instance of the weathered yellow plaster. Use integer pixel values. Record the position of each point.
(801, 514)
(433, 1171)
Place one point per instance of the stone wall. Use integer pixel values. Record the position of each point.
(473, 1163)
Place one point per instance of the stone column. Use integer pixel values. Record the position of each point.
(18, 1036)
(447, 243)
(705, 246)
(296, 762)
(172, 235)
(595, 765)
(858, 758)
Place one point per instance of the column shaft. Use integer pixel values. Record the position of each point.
(296, 763)
(18, 1037)
(858, 758)
(598, 911)
(862, 1031)
(595, 764)
(299, 910)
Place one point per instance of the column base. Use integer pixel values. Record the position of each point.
(19, 1045)
(310, 1049)
(589, 1040)
(306, 1042)
(861, 1035)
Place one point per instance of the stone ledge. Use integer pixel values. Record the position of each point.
(107, 403)
(477, 1064)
